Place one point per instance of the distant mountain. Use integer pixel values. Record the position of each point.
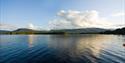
(24, 30)
(117, 31)
(18, 31)
(81, 30)
(4, 31)
(63, 31)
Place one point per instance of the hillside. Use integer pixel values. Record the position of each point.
(117, 31)
(65, 31)
(81, 30)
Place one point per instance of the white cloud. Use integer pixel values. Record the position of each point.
(31, 26)
(77, 19)
(118, 14)
(35, 27)
(7, 27)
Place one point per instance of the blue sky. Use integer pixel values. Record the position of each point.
(40, 12)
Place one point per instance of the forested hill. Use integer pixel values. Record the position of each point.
(117, 31)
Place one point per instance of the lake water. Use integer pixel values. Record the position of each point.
(84, 48)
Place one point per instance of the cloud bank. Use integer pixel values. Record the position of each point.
(118, 14)
(7, 27)
(77, 19)
(35, 27)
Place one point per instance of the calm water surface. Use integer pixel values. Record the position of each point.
(62, 48)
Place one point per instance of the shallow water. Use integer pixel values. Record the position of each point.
(85, 48)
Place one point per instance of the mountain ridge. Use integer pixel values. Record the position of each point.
(64, 31)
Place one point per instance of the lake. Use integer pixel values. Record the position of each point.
(84, 48)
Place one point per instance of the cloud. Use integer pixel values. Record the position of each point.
(35, 27)
(118, 14)
(76, 19)
(7, 27)
(31, 26)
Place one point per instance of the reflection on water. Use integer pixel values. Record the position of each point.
(30, 40)
(62, 48)
(80, 45)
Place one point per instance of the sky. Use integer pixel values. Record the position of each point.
(41, 13)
